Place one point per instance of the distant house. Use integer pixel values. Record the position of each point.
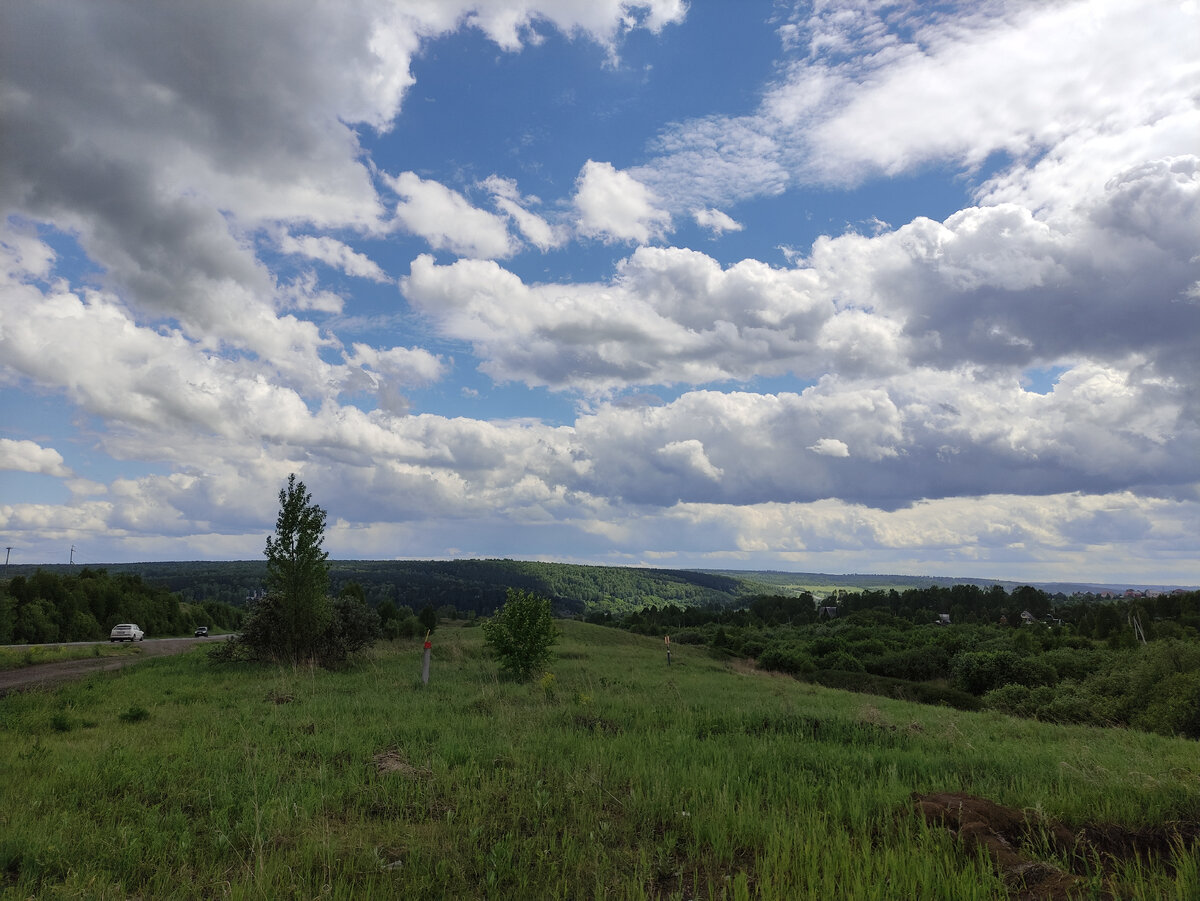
(1027, 618)
(943, 619)
(823, 612)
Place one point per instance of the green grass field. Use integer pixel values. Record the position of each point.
(614, 778)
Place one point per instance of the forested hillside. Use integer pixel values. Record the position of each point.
(477, 586)
(480, 586)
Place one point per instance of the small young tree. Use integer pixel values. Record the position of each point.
(522, 633)
(292, 622)
(429, 618)
(298, 570)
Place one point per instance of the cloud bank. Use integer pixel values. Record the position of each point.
(227, 264)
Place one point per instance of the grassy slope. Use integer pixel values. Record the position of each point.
(622, 779)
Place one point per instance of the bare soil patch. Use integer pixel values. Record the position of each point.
(1010, 838)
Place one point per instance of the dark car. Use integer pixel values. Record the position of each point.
(202, 632)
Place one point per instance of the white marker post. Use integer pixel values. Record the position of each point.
(667, 639)
(425, 663)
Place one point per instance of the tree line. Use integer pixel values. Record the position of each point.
(478, 586)
(50, 607)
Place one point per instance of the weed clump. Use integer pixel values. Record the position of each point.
(134, 714)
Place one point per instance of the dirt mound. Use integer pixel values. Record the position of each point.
(1009, 836)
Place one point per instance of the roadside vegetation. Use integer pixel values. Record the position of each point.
(610, 776)
(34, 655)
(296, 621)
(49, 607)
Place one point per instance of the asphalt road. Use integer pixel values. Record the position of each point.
(27, 677)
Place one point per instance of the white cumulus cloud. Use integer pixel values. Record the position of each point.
(830, 447)
(333, 253)
(615, 206)
(447, 220)
(29, 456)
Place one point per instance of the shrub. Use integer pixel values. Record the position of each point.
(786, 659)
(134, 714)
(354, 627)
(406, 626)
(842, 661)
(521, 633)
(915, 664)
(918, 692)
(1174, 708)
(979, 672)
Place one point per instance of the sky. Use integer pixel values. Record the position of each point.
(845, 286)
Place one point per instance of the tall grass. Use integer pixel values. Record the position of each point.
(619, 777)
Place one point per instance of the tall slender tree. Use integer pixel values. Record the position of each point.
(298, 572)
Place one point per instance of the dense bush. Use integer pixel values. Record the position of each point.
(979, 672)
(786, 659)
(353, 627)
(917, 664)
(522, 633)
(919, 692)
(1173, 708)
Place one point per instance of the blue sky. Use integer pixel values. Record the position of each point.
(844, 286)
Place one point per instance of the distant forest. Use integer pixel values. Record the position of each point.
(62, 603)
(479, 586)
(469, 586)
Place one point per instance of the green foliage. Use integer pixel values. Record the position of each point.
(982, 671)
(84, 604)
(919, 692)
(297, 580)
(522, 633)
(296, 621)
(1173, 708)
(428, 618)
(402, 626)
(786, 658)
(353, 627)
(886, 643)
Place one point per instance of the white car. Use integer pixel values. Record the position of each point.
(126, 632)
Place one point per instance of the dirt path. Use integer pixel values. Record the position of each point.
(27, 677)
